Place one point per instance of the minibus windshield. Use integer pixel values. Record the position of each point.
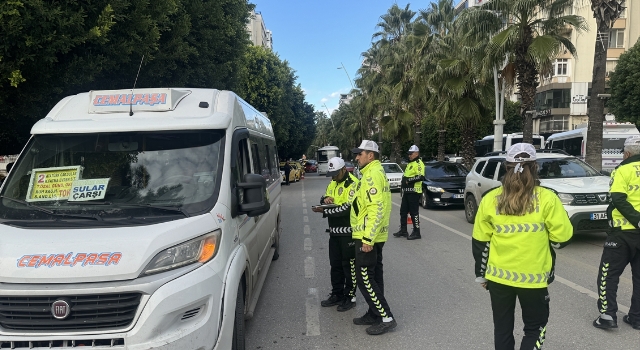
(104, 176)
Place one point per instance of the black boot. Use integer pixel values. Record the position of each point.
(415, 234)
(402, 233)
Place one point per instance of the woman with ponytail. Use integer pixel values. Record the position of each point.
(516, 229)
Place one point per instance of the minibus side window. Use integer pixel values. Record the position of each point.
(243, 165)
(269, 168)
(276, 165)
(255, 155)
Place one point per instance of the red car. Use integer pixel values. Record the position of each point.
(350, 167)
(310, 167)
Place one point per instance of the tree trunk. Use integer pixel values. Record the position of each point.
(527, 74)
(596, 105)
(441, 144)
(468, 151)
(418, 128)
(395, 150)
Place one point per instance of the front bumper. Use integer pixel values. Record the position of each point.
(580, 217)
(178, 311)
(445, 198)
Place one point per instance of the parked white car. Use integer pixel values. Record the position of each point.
(582, 190)
(394, 175)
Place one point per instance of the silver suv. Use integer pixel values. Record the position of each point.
(582, 190)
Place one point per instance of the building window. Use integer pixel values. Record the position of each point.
(611, 67)
(556, 98)
(560, 67)
(616, 39)
(555, 123)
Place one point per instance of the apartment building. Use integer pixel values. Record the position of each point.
(258, 32)
(562, 97)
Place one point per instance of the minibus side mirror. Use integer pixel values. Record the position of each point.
(605, 172)
(255, 197)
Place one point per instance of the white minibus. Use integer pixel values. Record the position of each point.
(142, 219)
(485, 145)
(575, 142)
(323, 155)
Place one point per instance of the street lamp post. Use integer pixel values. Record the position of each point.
(499, 121)
(347, 73)
(329, 114)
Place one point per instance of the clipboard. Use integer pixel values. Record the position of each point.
(326, 206)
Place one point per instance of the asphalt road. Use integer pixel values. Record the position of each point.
(429, 285)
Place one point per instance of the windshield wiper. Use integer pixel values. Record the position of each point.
(139, 205)
(148, 205)
(51, 212)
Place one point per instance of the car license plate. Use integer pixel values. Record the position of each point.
(458, 196)
(599, 216)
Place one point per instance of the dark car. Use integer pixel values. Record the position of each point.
(443, 185)
(310, 166)
(350, 167)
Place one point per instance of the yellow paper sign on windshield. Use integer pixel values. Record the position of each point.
(48, 184)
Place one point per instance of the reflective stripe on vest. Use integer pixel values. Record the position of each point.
(517, 277)
(518, 228)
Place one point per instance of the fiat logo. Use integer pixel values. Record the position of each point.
(60, 309)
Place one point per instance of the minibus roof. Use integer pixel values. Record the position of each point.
(153, 110)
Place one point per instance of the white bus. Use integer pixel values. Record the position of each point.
(485, 145)
(575, 142)
(150, 230)
(323, 155)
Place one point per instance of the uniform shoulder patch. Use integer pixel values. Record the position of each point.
(373, 190)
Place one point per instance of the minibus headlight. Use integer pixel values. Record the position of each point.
(198, 250)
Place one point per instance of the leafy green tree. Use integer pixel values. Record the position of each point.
(53, 49)
(625, 87)
(534, 34)
(269, 84)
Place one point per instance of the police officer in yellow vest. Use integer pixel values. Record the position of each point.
(517, 227)
(370, 214)
(622, 246)
(342, 251)
(411, 192)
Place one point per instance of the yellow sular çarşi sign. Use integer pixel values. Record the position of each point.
(47, 184)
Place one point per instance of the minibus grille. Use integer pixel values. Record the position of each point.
(98, 311)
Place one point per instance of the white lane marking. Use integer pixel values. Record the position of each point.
(564, 281)
(305, 218)
(304, 200)
(307, 230)
(304, 211)
(307, 243)
(304, 205)
(303, 194)
(309, 267)
(313, 313)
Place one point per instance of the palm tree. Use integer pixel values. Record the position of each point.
(439, 18)
(606, 12)
(532, 32)
(465, 90)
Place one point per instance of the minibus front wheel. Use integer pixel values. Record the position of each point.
(238, 322)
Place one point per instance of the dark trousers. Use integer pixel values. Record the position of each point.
(370, 279)
(342, 258)
(410, 204)
(286, 176)
(535, 314)
(620, 249)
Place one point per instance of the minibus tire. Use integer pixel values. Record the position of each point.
(238, 321)
(276, 244)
